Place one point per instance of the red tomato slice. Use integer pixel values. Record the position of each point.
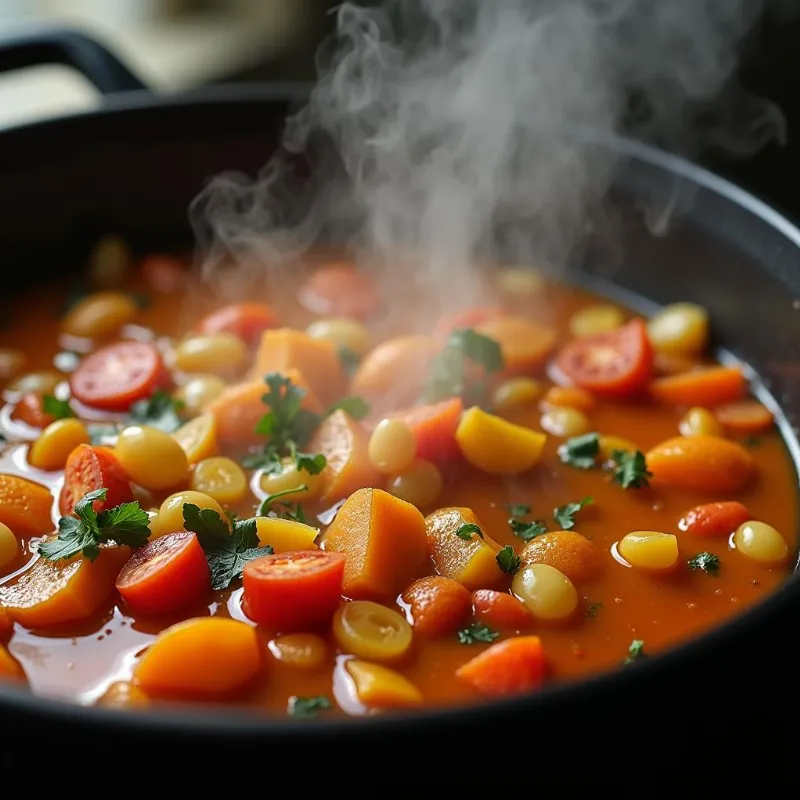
(340, 290)
(30, 410)
(245, 320)
(169, 573)
(614, 364)
(293, 591)
(88, 469)
(116, 376)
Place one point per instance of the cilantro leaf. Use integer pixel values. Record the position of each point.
(476, 632)
(159, 410)
(630, 469)
(308, 706)
(518, 509)
(206, 523)
(635, 651)
(267, 458)
(263, 506)
(284, 422)
(581, 451)
(524, 529)
(73, 538)
(58, 409)
(565, 515)
(357, 407)
(313, 464)
(508, 560)
(705, 562)
(126, 524)
(467, 529)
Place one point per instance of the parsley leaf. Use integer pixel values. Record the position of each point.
(159, 410)
(350, 360)
(518, 509)
(525, 530)
(476, 633)
(630, 469)
(635, 651)
(263, 506)
(58, 409)
(308, 706)
(581, 451)
(84, 533)
(357, 407)
(508, 560)
(705, 562)
(467, 529)
(565, 515)
(227, 550)
(306, 462)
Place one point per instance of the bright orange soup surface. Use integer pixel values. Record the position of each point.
(477, 501)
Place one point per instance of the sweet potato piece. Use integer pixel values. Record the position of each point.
(578, 558)
(345, 445)
(471, 562)
(383, 539)
(25, 506)
(53, 592)
(285, 349)
(239, 408)
(436, 605)
(10, 668)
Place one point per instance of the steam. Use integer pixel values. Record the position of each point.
(444, 133)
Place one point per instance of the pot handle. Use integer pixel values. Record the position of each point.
(73, 49)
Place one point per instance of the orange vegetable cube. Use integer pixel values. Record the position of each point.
(380, 687)
(285, 349)
(383, 539)
(345, 445)
(506, 668)
(26, 507)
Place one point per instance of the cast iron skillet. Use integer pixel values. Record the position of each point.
(134, 165)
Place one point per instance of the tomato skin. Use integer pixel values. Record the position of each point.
(714, 519)
(169, 573)
(30, 410)
(116, 376)
(90, 468)
(340, 290)
(616, 364)
(294, 591)
(245, 320)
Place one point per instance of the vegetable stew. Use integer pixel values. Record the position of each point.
(324, 503)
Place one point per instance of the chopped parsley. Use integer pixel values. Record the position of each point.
(228, 548)
(57, 409)
(593, 609)
(524, 529)
(349, 359)
(565, 515)
(87, 530)
(630, 469)
(581, 452)
(476, 632)
(467, 529)
(159, 410)
(705, 562)
(308, 706)
(635, 651)
(508, 560)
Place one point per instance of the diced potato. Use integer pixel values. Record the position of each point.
(497, 446)
(345, 445)
(471, 562)
(284, 535)
(380, 687)
(198, 437)
(649, 550)
(384, 541)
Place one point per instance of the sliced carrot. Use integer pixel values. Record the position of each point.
(239, 408)
(10, 668)
(525, 344)
(500, 610)
(506, 668)
(285, 349)
(701, 463)
(383, 539)
(466, 318)
(745, 417)
(229, 651)
(576, 556)
(245, 320)
(338, 289)
(434, 428)
(436, 605)
(25, 506)
(90, 468)
(714, 519)
(51, 593)
(569, 397)
(30, 410)
(345, 445)
(709, 386)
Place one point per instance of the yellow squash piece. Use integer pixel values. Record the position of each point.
(380, 687)
(497, 446)
(472, 562)
(285, 535)
(198, 437)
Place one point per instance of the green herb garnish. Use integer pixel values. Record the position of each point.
(476, 633)
(635, 651)
(357, 407)
(159, 410)
(264, 506)
(57, 409)
(308, 706)
(524, 529)
(565, 515)
(349, 359)
(508, 560)
(705, 562)
(630, 469)
(467, 529)
(581, 451)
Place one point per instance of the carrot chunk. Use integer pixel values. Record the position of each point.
(10, 668)
(570, 397)
(437, 605)
(25, 506)
(500, 610)
(506, 668)
(284, 349)
(745, 417)
(383, 539)
(434, 427)
(578, 558)
(525, 345)
(714, 519)
(345, 445)
(709, 386)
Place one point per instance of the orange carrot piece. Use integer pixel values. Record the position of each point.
(506, 668)
(579, 558)
(345, 445)
(434, 428)
(525, 345)
(745, 417)
(500, 610)
(714, 519)
(384, 542)
(436, 605)
(570, 397)
(10, 668)
(709, 386)
(26, 507)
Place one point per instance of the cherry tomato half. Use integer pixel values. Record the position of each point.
(90, 468)
(116, 376)
(245, 320)
(614, 364)
(293, 591)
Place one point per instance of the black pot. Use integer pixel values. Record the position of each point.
(134, 165)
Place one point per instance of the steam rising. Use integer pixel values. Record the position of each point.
(443, 131)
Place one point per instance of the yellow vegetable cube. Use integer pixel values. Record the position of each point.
(198, 437)
(284, 535)
(497, 446)
(650, 550)
(380, 687)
